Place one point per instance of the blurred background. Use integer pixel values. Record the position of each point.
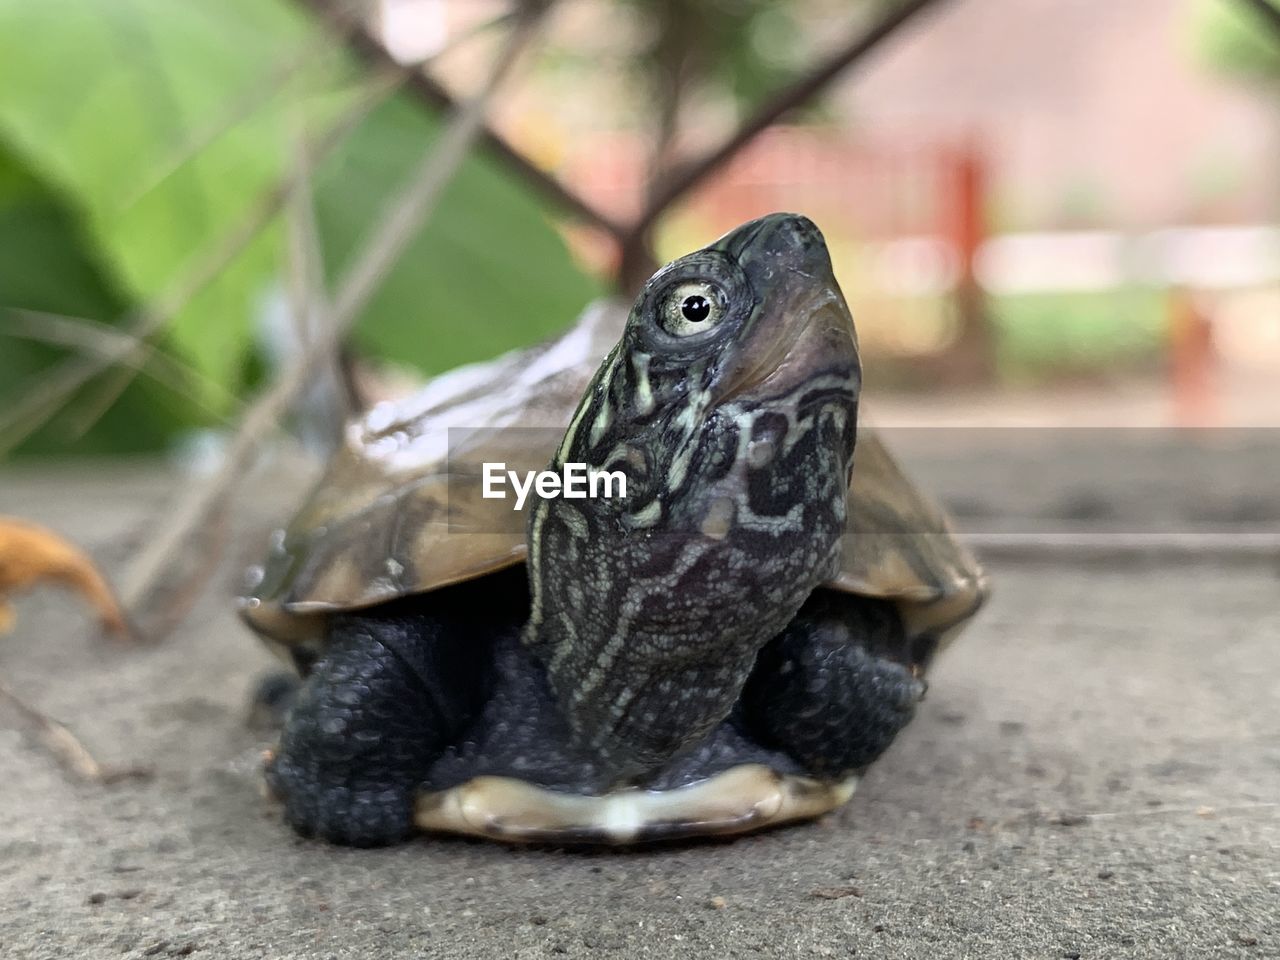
(1041, 211)
(225, 227)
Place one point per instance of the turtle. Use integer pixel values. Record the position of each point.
(723, 642)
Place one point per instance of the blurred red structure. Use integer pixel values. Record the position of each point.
(872, 190)
(905, 222)
(1192, 361)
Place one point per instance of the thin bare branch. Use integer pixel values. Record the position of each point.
(381, 87)
(407, 212)
(692, 173)
(256, 94)
(401, 221)
(237, 111)
(304, 262)
(66, 747)
(433, 93)
(1268, 11)
(81, 333)
(45, 397)
(327, 401)
(393, 73)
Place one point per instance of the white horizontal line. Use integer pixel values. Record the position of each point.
(1241, 544)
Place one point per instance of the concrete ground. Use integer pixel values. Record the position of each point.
(1095, 772)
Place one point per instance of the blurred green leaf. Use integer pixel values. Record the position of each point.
(488, 273)
(97, 94)
(1233, 37)
(1045, 335)
(46, 265)
(103, 99)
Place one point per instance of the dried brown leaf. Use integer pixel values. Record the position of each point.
(31, 555)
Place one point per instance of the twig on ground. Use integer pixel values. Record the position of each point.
(185, 582)
(1199, 811)
(401, 221)
(66, 747)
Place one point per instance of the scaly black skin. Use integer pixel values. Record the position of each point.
(835, 687)
(398, 705)
(737, 444)
(397, 685)
(664, 637)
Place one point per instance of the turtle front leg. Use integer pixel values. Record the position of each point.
(834, 688)
(391, 693)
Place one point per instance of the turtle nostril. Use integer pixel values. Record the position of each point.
(798, 240)
(804, 232)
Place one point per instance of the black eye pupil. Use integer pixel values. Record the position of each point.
(696, 308)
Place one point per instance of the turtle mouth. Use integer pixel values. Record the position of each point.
(800, 325)
(809, 336)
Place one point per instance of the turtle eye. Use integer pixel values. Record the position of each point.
(691, 307)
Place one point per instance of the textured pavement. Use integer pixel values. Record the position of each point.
(1095, 772)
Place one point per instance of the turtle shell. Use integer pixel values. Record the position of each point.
(390, 517)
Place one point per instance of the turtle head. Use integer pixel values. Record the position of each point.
(753, 316)
(729, 407)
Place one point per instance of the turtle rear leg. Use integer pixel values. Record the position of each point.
(396, 686)
(836, 686)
